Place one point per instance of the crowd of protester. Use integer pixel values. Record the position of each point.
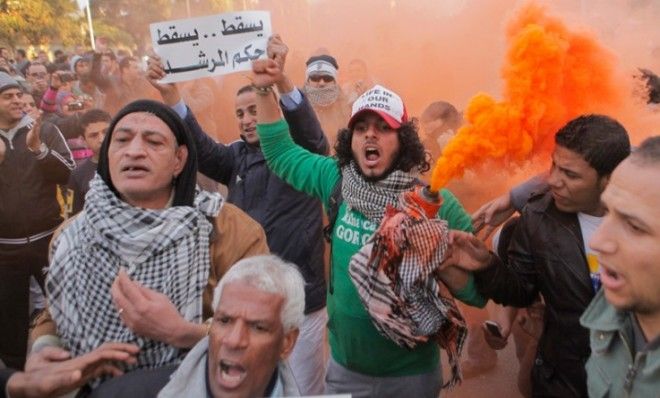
(120, 276)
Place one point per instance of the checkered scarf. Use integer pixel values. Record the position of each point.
(164, 250)
(371, 198)
(396, 276)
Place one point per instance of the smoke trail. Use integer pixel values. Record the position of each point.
(552, 74)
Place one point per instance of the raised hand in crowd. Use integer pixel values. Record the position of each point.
(266, 72)
(151, 314)
(492, 215)
(33, 137)
(156, 72)
(277, 50)
(51, 372)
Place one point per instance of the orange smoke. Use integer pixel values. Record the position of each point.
(551, 75)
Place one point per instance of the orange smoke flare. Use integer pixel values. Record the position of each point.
(552, 75)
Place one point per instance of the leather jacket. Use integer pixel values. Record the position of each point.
(546, 255)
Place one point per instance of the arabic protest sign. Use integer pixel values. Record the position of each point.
(209, 46)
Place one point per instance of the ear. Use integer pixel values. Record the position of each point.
(181, 155)
(290, 339)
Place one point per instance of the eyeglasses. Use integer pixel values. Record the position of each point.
(325, 78)
(40, 75)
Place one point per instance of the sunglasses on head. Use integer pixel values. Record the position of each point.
(325, 78)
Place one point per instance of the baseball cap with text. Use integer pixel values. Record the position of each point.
(384, 102)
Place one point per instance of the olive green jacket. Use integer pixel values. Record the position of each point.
(614, 369)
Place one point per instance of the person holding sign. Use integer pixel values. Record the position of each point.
(292, 220)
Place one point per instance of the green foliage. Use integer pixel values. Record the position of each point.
(116, 17)
(34, 22)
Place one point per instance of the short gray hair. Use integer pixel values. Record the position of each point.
(272, 275)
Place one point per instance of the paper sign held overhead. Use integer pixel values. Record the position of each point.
(212, 45)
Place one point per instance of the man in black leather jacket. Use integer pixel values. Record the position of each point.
(549, 254)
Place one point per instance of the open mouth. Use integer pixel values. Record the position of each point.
(610, 279)
(231, 374)
(132, 169)
(371, 155)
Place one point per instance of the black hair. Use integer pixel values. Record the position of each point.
(94, 116)
(245, 89)
(411, 150)
(648, 152)
(652, 83)
(600, 140)
(22, 52)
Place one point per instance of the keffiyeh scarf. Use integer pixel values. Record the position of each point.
(371, 198)
(396, 276)
(164, 250)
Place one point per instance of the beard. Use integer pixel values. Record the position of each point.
(322, 96)
(375, 178)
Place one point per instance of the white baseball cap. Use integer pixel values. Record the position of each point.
(384, 102)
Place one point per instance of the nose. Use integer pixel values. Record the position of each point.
(601, 241)
(135, 148)
(371, 131)
(554, 179)
(237, 336)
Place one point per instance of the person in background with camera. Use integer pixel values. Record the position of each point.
(61, 108)
(34, 158)
(37, 77)
(84, 85)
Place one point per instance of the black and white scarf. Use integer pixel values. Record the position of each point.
(164, 250)
(371, 198)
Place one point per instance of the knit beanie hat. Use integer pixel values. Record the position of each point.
(7, 82)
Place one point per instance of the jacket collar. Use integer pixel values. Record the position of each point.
(25, 121)
(544, 203)
(602, 316)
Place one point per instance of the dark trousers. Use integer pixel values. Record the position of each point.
(17, 264)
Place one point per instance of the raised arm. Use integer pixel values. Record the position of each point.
(308, 172)
(215, 160)
(304, 125)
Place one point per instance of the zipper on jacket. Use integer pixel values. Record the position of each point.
(632, 368)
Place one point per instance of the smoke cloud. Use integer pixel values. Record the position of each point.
(551, 74)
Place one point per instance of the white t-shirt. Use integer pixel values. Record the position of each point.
(588, 225)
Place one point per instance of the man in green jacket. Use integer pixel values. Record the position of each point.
(624, 317)
(378, 156)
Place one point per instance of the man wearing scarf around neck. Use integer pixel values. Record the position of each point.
(377, 157)
(139, 263)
